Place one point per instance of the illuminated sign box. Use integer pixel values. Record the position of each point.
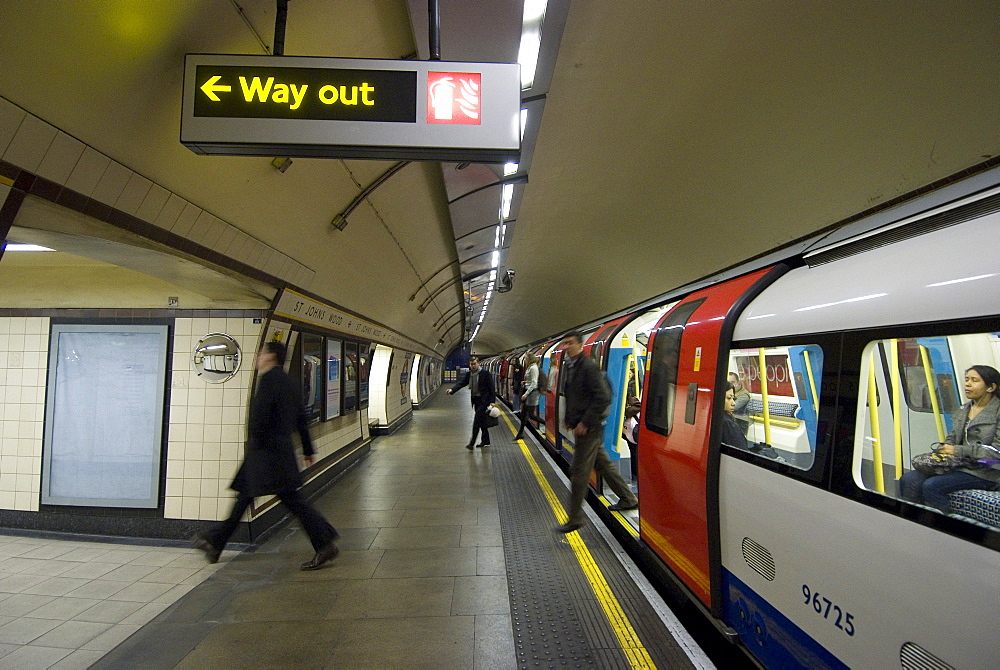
(351, 108)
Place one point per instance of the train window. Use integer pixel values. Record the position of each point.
(663, 360)
(775, 413)
(917, 380)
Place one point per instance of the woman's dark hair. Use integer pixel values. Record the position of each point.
(730, 387)
(990, 375)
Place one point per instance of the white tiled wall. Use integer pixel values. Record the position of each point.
(33, 145)
(23, 360)
(207, 426)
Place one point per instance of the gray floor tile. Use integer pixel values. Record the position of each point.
(494, 643)
(418, 537)
(481, 595)
(384, 598)
(78, 660)
(108, 611)
(302, 645)
(56, 586)
(18, 582)
(21, 604)
(170, 575)
(8, 648)
(23, 631)
(85, 554)
(144, 614)
(481, 536)
(52, 568)
(428, 643)
(30, 656)
(129, 573)
(91, 570)
(98, 588)
(141, 592)
(446, 562)
(62, 608)
(490, 561)
(71, 634)
(112, 637)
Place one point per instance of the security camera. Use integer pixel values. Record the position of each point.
(506, 281)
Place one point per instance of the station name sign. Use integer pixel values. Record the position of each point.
(351, 108)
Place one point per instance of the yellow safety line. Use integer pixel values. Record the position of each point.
(631, 645)
(6, 181)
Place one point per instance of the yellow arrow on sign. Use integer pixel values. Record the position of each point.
(209, 88)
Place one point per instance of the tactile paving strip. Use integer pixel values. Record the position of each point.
(557, 621)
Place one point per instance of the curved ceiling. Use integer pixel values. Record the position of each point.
(677, 139)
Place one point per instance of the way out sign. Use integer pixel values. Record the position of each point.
(351, 108)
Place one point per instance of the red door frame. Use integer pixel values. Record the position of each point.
(674, 521)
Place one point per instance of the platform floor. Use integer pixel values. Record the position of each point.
(448, 560)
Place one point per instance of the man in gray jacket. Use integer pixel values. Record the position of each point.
(588, 397)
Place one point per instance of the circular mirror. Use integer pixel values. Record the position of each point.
(217, 357)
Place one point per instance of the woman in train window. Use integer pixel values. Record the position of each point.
(733, 433)
(974, 435)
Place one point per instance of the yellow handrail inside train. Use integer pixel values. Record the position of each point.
(932, 390)
(812, 381)
(897, 408)
(873, 418)
(762, 375)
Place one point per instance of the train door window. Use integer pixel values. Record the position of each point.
(663, 362)
(350, 377)
(311, 375)
(909, 402)
(772, 408)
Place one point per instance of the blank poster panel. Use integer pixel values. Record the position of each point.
(104, 416)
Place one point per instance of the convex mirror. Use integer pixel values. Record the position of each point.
(217, 357)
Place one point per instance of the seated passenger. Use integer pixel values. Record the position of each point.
(742, 400)
(733, 434)
(974, 435)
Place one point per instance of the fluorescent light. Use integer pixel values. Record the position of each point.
(509, 169)
(496, 238)
(14, 246)
(506, 197)
(959, 281)
(493, 276)
(496, 258)
(524, 121)
(503, 233)
(534, 10)
(841, 302)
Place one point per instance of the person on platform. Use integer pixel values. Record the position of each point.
(480, 383)
(269, 466)
(588, 399)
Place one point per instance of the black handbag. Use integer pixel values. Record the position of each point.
(937, 463)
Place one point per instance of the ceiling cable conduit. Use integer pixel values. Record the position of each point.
(448, 314)
(340, 221)
(437, 292)
(434, 29)
(427, 281)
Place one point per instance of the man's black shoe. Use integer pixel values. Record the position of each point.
(568, 527)
(470, 446)
(211, 553)
(621, 507)
(327, 553)
(483, 445)
(518, 436)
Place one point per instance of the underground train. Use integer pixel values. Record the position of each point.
(853, 347)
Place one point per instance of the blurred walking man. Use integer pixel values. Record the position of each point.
(269, 465)
(588, 398)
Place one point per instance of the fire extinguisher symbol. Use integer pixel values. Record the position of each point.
(453, 97)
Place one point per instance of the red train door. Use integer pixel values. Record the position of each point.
(681, 376)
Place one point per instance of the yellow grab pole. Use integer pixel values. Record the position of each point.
(762, 375)
(873, 419)
(897, 406)
(812, 382)
(932, 390)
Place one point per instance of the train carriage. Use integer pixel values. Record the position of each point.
(794, 535)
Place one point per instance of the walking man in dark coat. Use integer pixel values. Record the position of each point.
(269, 465)
(480, 383)
(588, 398)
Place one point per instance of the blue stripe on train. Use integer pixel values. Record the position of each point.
(767, 633)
